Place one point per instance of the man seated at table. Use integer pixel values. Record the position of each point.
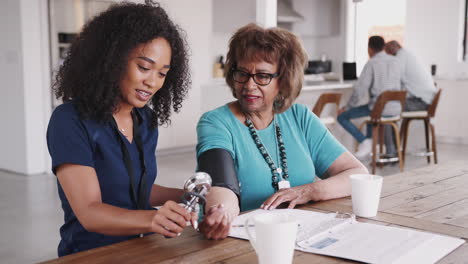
(381, 73)
(416, 80)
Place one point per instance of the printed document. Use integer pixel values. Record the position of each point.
(340, 235)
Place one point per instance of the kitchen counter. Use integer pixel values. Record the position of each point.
(217, 93)
(326, 85)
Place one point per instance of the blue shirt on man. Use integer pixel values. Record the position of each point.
(87, 142)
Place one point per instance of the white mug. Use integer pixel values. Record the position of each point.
(365, 194)
(274, 239)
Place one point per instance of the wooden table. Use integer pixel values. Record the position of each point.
(433, 198)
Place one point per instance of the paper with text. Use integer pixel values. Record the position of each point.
(326, 234)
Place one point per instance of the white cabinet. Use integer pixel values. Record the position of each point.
(322, 18)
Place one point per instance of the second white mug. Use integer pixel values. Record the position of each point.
(275, 237)
(365, 194)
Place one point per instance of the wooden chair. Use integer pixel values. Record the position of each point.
(377, 121)
(324, 99)
(425, 116)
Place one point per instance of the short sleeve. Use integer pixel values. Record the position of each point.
(67, 139)
(323, 146)
(213, 132)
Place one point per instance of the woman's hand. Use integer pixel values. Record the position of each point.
(335, 185)
(340, 111)
(170, 220)
(296, 195)
(216, 223)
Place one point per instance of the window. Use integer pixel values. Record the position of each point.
(378, 17)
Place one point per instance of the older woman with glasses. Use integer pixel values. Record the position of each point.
(261, 149)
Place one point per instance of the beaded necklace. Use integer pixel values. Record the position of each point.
(277, 181)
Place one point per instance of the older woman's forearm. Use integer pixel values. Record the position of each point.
(160, 194)
(226, 197)
(334, 187)
(337, 185)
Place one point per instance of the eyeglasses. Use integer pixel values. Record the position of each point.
(260, 78)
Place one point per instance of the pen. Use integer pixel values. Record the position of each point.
(250, 225)
(242, 225)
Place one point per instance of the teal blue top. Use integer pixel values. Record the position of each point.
(310, 149)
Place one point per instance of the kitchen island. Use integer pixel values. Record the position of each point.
(217, 93)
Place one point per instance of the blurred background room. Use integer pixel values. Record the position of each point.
(37, 33)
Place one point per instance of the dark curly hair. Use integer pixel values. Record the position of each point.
(97, 60)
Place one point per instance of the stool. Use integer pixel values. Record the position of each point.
(425, 116)
(377, 121)
(324, 99)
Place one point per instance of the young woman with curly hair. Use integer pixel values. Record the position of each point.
(124, 74)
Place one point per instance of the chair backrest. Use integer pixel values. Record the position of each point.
(433, 106)
(326, 98)
(383, 99)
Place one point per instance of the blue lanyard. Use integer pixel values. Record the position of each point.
(141, 200)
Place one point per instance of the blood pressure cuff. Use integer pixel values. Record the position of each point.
(218, 163)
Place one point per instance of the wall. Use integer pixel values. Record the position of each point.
(195, 18)
(11, 73)
(323, 31)
(450, 120)
(36, 69)
(24, 71)
(434, 32)
(225, 23)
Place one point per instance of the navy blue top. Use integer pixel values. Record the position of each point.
(71, 139)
